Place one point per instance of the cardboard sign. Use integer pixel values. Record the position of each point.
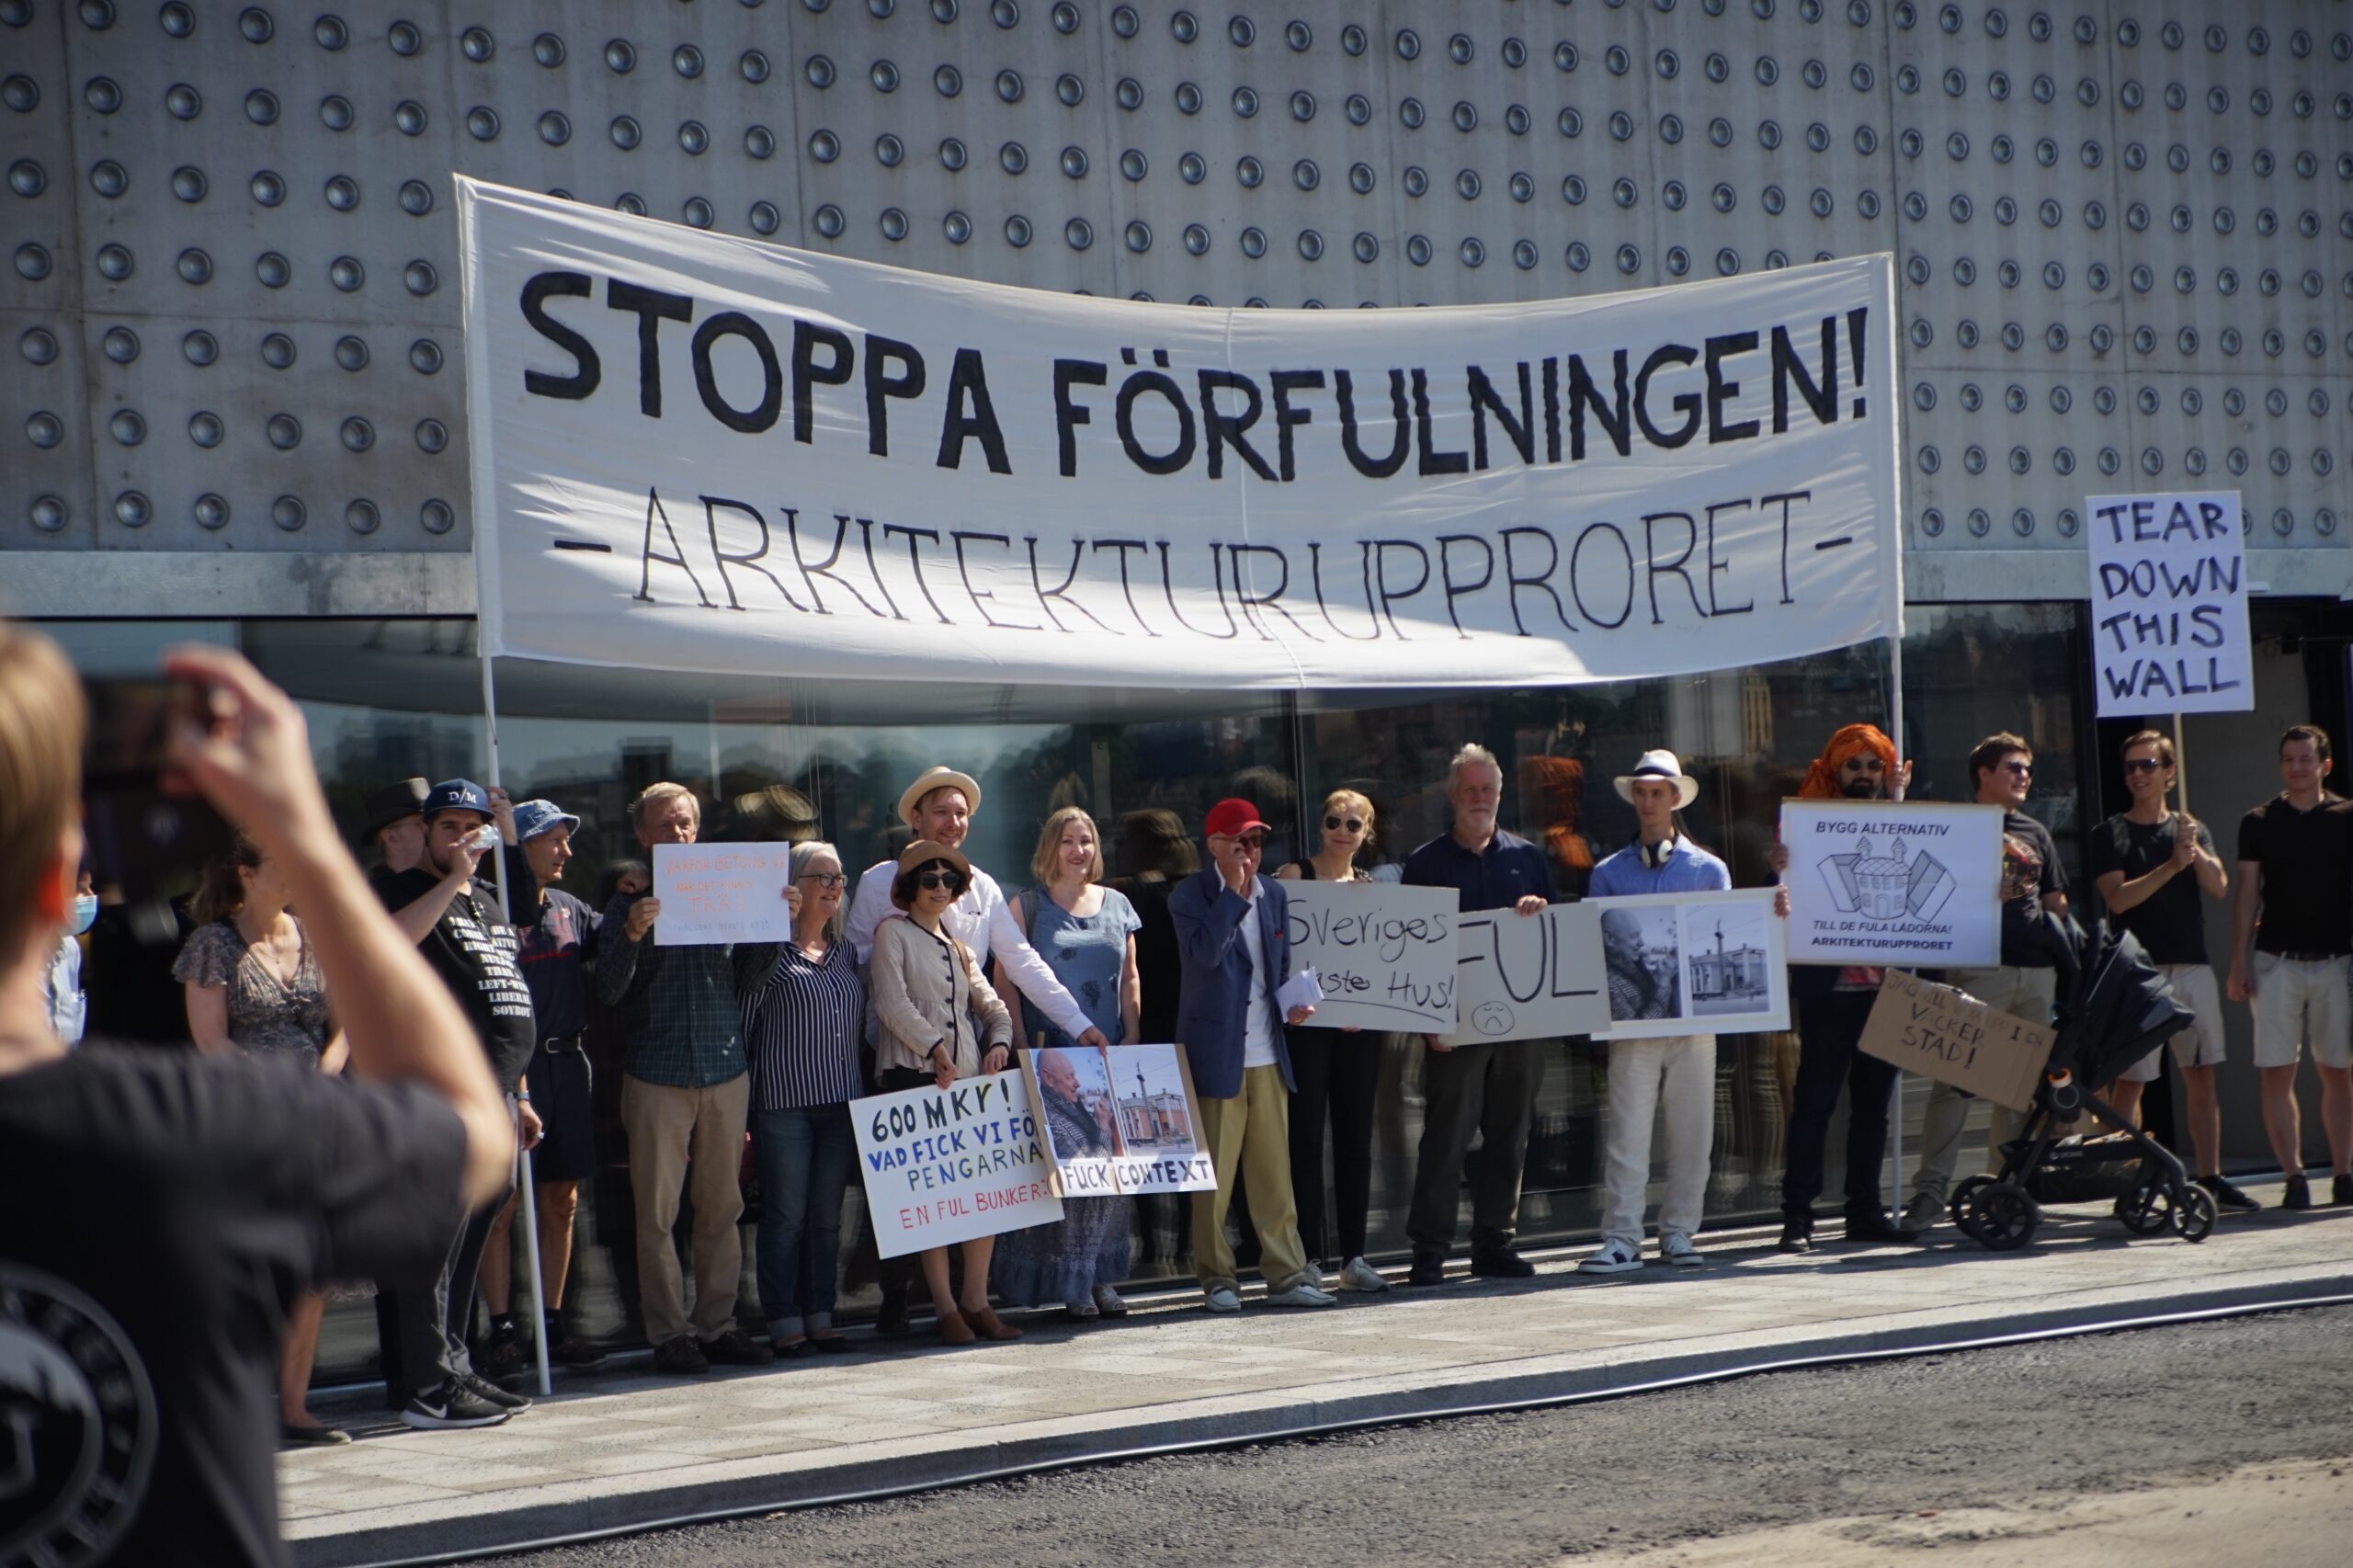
(1886, 882)
(721, 892)
(2168, 591)
(1950, 1036)
(1385, 953)
(944, 1165)
(1118, 1119)
(1680, 964)
(1529, 976)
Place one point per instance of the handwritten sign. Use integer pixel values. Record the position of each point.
(1385, 952)
(1119, 1119)
(2168, 591)
(944, 1165)
(1529, 976)
(1950, 1036)
(721, 892)
(1682, 963)
(1887, 882)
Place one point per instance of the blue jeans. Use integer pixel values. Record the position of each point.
(804, 1160)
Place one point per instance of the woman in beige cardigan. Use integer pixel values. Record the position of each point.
(938, 1021)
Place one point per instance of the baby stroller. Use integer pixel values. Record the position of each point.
(2114, 1008)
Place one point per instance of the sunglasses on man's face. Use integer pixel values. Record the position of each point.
(1333, 824)
(930, 882)
(1252, 844)
(2023, 769)
(2142, 765)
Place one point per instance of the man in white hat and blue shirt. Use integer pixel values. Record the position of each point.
(1677, 1071)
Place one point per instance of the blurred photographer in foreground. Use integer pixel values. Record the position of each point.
(187, 1198)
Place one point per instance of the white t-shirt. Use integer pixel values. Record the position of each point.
(985, 924)
(1258, 1036)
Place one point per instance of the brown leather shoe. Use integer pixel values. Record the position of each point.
(991, 1325)
(954, 1330)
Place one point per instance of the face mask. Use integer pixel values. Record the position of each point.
(84, 910)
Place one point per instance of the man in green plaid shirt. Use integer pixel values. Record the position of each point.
(684, 1095)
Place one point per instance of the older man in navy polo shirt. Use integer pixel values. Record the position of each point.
(1486, 1086)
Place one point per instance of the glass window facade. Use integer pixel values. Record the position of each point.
(771, 758)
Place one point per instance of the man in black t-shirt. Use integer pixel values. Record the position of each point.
(2024, 984)
(165, 1206)
(2292, 932)
(2137, 859)
(437, 905)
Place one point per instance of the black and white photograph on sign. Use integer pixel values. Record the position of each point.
(1727, 958)
(1695, 963)
(1155, 1115)
(1642, 953)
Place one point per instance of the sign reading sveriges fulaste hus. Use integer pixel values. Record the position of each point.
(696, 452)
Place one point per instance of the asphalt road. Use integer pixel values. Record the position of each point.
(1761, 1470)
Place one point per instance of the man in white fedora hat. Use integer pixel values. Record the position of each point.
(1679, 1071)
(939, 805)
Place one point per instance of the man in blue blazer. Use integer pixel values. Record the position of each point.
(1234, 948)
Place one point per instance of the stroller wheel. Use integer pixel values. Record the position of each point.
(2193, 1218)
(2151, 1209)
(2006, 1217)
(1968, 1214)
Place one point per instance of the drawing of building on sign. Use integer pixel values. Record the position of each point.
(1887, 886)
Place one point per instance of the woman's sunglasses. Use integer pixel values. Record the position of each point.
(824, 878)
(932, 880)
(1333, 824)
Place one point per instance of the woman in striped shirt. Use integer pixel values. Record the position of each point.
(802, 1030)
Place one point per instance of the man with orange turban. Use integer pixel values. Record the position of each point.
(1833, 1002)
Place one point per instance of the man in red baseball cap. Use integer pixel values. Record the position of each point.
(1233, 952)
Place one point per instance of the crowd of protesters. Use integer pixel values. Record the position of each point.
(931, 974)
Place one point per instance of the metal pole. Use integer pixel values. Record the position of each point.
(1895, 791)
(526, 1193)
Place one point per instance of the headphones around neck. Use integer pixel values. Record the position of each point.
(1657, 855)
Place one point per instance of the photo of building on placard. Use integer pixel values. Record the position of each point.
(1888, 884)
(1155, 1115)
(1728, 961)
(1694, 963)
(1642, 952)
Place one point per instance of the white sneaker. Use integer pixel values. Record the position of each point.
(1222, 1299)
(1674, 1247)
(1615, 1257)
(1304, 1294)
(1358, 1275)
(1920, 1215)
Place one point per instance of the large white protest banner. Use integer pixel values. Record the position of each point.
(1385, 952)
(1684, 963)
(1529, 976)
(2169, 592)
(696, 452)
(1880, 882)
(721, 892)
(944, 1165)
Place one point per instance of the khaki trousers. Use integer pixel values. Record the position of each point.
(676, 1136)
(2026, 994)
(1250, 1133)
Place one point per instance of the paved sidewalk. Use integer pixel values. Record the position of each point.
(625, 1448)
